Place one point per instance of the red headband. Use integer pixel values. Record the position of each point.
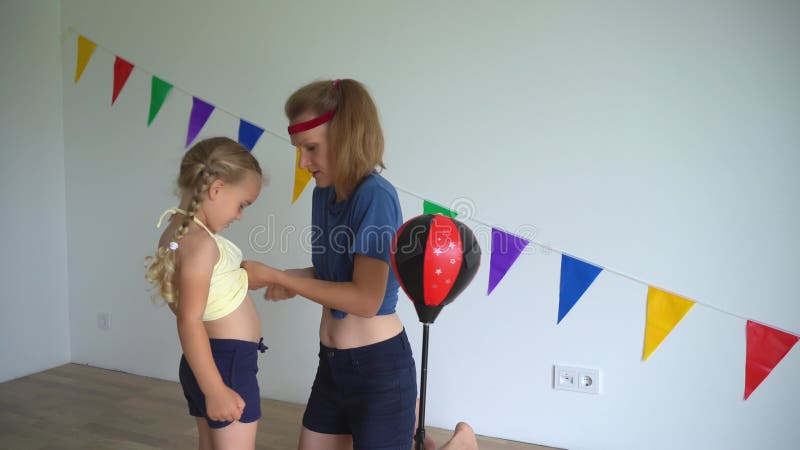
(313, 123)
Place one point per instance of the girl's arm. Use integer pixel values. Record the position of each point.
(197, 258)
(362, 296)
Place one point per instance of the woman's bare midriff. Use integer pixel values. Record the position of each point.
(243, 323)
(353, 331)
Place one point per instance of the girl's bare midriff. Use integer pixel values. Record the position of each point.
(353, 331)
(243, 323)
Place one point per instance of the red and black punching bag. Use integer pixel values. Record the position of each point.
(434, 257)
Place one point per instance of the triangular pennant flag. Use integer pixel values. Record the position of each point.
(85, 50)
(505, 250)
(201, 111)
(576, 277)
(766, 347)
(301, 178)
(122, 70)
(158, 93)
(249, 134)
(432, 208)
(664, 311)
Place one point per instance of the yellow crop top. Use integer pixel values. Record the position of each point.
(228, 280)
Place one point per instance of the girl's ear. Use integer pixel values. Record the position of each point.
(214, 189)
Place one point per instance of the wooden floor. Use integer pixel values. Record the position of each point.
(82, 407)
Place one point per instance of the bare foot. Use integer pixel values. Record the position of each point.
(463, 439)
(429, 444)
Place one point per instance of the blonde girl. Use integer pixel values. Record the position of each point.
(197, 272)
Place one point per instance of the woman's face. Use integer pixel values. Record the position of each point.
(315, 155)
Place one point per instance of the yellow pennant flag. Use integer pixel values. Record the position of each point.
(301, 178)
(664, 311)
(85, 50)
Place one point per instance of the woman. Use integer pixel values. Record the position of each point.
(365, 389)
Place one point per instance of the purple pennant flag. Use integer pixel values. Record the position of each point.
(505, 250)
(249, 134)
(201, 111)
(576, 277)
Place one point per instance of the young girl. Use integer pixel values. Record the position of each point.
(364, 394)
(198, 274)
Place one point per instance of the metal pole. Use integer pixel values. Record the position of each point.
(420, 437)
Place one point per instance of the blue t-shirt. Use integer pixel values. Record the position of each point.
(365, 223)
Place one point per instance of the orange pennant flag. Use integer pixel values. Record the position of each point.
(664, 311)
(85, 50)
(301, 178)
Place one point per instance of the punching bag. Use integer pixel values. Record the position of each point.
(434, 258)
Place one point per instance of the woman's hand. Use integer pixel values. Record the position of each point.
(258, 275)
(276, 292)
(224, 404)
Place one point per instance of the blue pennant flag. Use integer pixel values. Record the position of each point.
(249, 134)
(576, 277)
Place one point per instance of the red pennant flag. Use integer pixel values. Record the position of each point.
(122, 70)
(766, 347)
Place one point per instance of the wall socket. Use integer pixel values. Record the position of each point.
(577, 379)
(104, 321)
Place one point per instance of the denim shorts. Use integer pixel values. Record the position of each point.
(368, 392)
(237, 362)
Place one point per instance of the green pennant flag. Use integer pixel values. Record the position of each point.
(433, 208)
(158, 93)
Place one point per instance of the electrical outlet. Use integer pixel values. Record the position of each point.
(104, 321)
(577, 379)
(589, 380)
(564, 377)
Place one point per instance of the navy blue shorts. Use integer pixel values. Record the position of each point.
(368, 392)
(237, 362)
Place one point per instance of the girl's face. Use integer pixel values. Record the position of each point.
(315, 155)
(227, 201)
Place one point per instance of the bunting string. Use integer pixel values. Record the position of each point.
(71, 30)
(471, 218)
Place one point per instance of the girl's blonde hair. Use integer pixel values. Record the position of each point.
(354, 134)
(208, 160)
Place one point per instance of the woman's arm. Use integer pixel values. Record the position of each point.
(362, 296)
(273, 292)
(197, 259)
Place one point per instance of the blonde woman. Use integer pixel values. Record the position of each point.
(364, 394)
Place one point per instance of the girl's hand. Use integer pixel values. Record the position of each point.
(224, 404)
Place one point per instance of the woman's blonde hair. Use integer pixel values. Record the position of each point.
(207, 161)
(354, 134)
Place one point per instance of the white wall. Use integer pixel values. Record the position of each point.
(656, 139)
(34, 323)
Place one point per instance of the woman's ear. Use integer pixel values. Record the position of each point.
(215, 188)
